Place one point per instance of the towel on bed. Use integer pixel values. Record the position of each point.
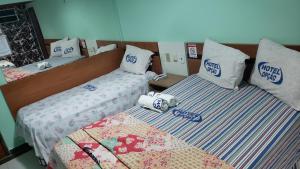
(153, 103)
(43, 65)
(122, 141)
(172, 100)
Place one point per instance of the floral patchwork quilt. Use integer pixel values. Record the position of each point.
(12, 74)
(122, 141)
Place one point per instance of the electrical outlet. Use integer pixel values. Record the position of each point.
(182, 60)
(173, 57)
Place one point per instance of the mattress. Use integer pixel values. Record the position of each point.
(248, 128)
(12, 74)
(45, 122)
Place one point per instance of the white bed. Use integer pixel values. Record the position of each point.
(45, 122)
(12, 74)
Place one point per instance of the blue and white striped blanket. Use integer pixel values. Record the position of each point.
(248, 128)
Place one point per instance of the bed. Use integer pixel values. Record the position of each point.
(248, 128)
(12, 74)
(45, 122)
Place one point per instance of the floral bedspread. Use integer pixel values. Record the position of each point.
(12, 74)
(122, 141)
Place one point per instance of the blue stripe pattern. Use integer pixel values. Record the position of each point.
(248, 128)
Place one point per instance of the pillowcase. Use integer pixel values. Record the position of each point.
(136, 60)
(55, 48)
(71, 48)
(277, 71)
(222, 65)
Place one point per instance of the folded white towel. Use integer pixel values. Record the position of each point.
(43, 65)
(172, 100)
(106, 48)
(153, 103)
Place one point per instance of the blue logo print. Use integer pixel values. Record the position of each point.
(131, 59)
(57, 49)
(158, 103)
(68, 50)
(271, 73)
(193, 117)
(90, 87)
(212, 68)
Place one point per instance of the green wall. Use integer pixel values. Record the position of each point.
(7, 123)
(238, 21)
(88, 19)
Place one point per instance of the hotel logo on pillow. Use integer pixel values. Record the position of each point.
(131, 59)
(270, 73)
(68, 50)
(212, 68)
(57, 49)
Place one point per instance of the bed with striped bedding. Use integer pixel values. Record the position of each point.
(248, 128)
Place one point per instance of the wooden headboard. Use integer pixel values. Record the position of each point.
(47, 43)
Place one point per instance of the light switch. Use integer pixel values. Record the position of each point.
(168, 57)
(175, 58)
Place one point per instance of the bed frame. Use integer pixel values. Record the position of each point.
(36, 87)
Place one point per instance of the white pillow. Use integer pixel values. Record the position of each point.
(55, 48)
(136, 60)
(106, 48)
(222, 65)
(71, 48)
(277, 71)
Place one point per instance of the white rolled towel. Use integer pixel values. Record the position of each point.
(106, 48)
(43, 65)
(6, 64)
(172, 100)
(153, 103)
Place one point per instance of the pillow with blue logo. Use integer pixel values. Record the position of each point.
(277, 71)
(55, 48)
(71, 48)
(222, 65)
(136, 60)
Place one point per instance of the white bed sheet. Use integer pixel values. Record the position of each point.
(45, 122)
(53, 61)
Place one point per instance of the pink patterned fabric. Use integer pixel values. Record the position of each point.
(12, 74)
(122, 141)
